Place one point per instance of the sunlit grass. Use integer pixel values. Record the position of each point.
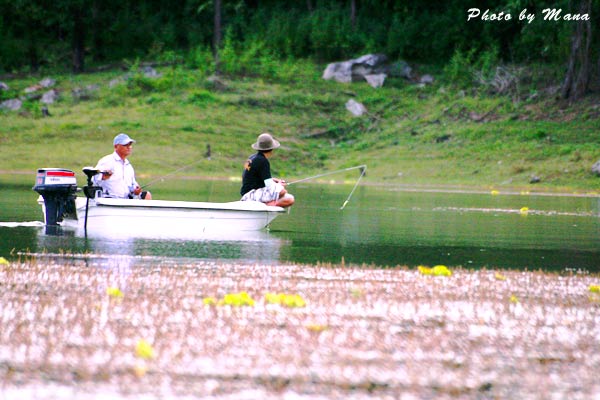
(176, 116)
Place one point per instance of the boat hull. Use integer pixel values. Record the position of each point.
(168, 219)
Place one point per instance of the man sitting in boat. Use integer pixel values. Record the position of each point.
(118, 177)
(257, 183)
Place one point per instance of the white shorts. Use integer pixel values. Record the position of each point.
(264, 194)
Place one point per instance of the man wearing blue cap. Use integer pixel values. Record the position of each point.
(118, 177)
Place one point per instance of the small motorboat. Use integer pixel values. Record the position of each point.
(150, 218)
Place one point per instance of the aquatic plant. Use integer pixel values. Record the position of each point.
(316, 327)
(284, 299)
(438, 270)
(407, 335)
(237, 299)
(209, 301)
(498, 276)
(144, 350)
(114, 292)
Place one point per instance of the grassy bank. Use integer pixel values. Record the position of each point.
(71, 329)
(412, 135)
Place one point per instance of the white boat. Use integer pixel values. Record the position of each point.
(146, 218)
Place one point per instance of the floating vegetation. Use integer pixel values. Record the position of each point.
(114, 292)
(499, 277)
(144, 350)
(4, 261)
(284, 299)
(237, 300)
(438, 270)
(522, 211)
(402, 335)
(316, 327)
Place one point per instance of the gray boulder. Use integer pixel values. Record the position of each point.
(357, 69)
(426, 79)
(400, 69)
(3, 86)
(596, 168)
(47, 82)
(49, 97)
(356, 108)
(150, 72)
(85, 93)
(12, 104)
(375, 80)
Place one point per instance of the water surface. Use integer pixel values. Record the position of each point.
(381, 226)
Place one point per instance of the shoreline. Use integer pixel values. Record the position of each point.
(404, 187)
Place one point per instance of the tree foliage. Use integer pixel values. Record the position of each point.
(79, 34)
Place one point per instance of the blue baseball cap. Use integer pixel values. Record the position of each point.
(123, 139)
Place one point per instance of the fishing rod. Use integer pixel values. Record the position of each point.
(363, 170)
(162, 178)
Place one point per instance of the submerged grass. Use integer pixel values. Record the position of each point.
(280, 331)
(432, 135)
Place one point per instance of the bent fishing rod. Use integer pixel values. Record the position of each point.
(363, 170)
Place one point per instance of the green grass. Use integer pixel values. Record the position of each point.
(492, 140)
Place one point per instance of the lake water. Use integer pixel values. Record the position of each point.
(380, 226)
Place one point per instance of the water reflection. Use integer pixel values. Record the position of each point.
(259, 246)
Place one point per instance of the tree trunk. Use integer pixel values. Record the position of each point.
(309, 6)
(217, 36)
(577, 79)
(353, 14)
(78, 40)
(97, 27)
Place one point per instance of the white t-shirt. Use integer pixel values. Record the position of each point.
(122, 182)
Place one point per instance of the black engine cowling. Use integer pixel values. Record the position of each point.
(58, 187)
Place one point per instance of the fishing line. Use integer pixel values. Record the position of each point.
(162, 178)
(364, 167)
(363, 170)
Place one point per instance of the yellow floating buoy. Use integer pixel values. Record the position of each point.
(524, 210)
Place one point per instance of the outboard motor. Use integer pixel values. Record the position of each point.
(58, 187)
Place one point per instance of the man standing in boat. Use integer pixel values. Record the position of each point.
(257, 183)
(117, 177)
